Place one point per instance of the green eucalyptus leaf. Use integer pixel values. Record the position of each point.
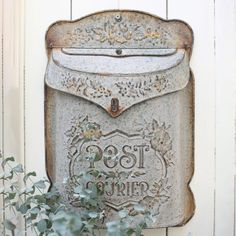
(40, 184)
(6, 160)
(30, 190)
(33, 216)
(139, 228)
(18, 168)
(123, 213)
(34, 210)
(33, 173)
(42, 226)
(40, 199)
(129, 232)
(78, 189)
(97, 157)
(11, 195)
(9, 225)
(139, 208)
(52, 234)
(93, 215)
(8, 175)
(24, 208)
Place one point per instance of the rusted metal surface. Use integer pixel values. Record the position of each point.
(118, 83)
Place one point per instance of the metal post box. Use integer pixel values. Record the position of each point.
(118, 83)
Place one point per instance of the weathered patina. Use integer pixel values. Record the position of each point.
(118, 84)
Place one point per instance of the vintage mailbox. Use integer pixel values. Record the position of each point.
(118, 84)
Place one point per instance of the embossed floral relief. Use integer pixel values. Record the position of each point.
(83, 131)
(117, 32)
(130, 89)
(84, 86)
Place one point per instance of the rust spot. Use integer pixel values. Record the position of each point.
(115, 110)
(114, 105)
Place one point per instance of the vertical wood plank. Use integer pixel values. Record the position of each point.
(81, 8)
(13, 81)
(157, 7)
(39, 15)
(200, 15)
(1, 109)
(12, 86)
(225, 104)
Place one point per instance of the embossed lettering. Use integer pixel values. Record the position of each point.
(112, 190)
(129, 158)
(120, 189)
(144, 187)
(110, 156)
(141, 149)
(96, 150)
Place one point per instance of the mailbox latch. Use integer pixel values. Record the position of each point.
(114, 105)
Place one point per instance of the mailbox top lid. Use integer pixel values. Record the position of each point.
(120, 29)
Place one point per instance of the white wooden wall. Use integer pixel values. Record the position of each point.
(22, 65)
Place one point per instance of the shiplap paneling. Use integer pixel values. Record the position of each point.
(13, 83)
(156, 7)
(12, 89)
(83, 8)
(200, 16)
(225, 52)
(1, 108)
(38, 17)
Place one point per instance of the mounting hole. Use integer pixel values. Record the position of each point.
(119, 51)
(118, 17)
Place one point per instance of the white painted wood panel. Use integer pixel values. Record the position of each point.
(200, 15)
(12, 87)
(157, 7)
(82, 8)
(13, 142)
(1, 107)
(38, 17)
(225, 52)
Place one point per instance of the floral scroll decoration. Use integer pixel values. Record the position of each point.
(82, 130)
(117, 32)
(141, 88)
(84, 86)
(130, 89)
(161, 142)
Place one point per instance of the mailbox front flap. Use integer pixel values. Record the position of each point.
(117, 83)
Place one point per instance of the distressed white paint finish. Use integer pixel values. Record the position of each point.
(38, 16)
(82, 8)
(157, 7)
(225, 99)
(200, 15)
(13, 80)
(12, 87)
(1, 107)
